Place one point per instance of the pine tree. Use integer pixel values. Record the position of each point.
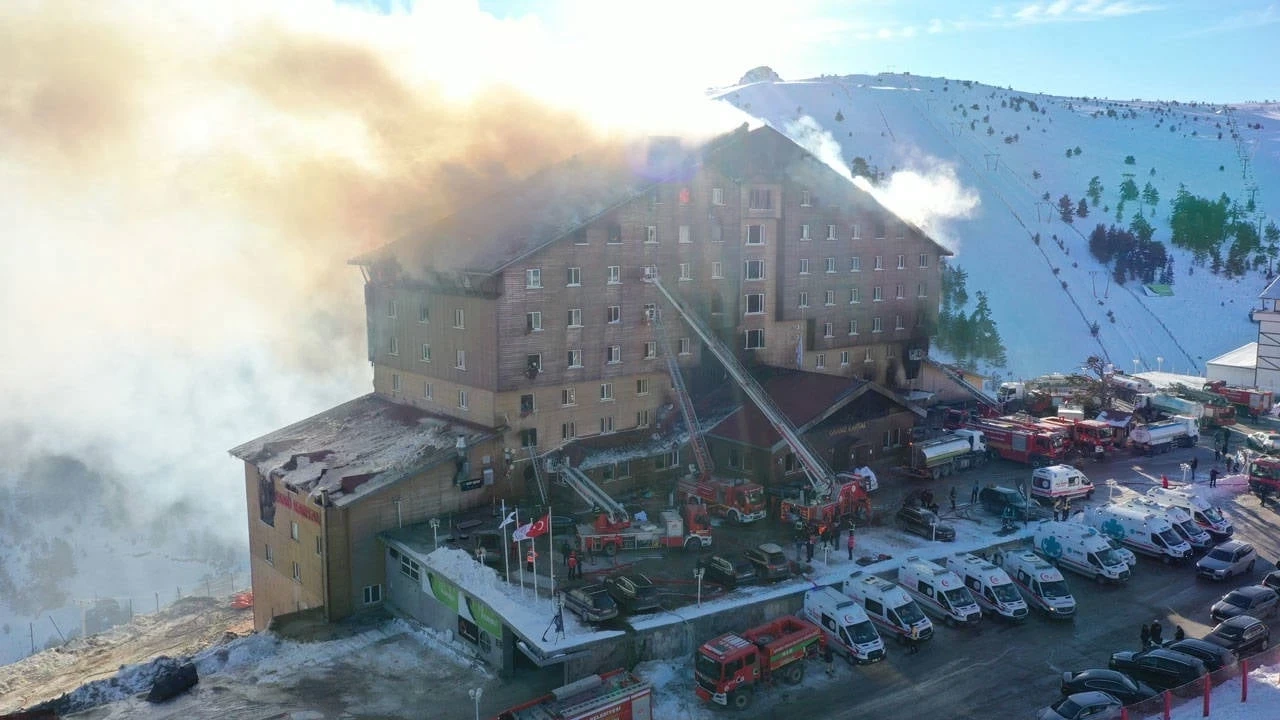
(1066, 208)
(1095, 190)
(1150, 195)
(1082, 210)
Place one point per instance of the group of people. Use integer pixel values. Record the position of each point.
(1062, 509)
(809, 536)
(1153, 635)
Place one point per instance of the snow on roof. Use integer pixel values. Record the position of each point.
(1163, 380)
(1272, 291)
(356, 447)
(1245, 356)
(650, 444)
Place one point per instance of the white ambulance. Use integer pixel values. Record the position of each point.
(1201, 511)
(990, 585)
(1056, 482)
(1081, 549)
(1040, 582)
(848, 629)
(939, 591)
(1142, 531)
(1187, 529)
(888, 606)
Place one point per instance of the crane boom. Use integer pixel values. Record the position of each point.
(819, 475)
(701, 455)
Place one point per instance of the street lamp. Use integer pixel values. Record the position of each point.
(697, 574)
(1159, 364)
(474, 694)
(435, 535)
(1136, 363)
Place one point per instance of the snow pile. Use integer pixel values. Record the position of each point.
(443, 644)
(673, 695)
(131, 680)
(1224, 703)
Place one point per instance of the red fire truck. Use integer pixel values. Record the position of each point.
(689, 529)
(1091, 438)
(738, 500)
(616, 695)
(728, 668)
(1250, 401)
(1264, 477)
(1029, 444)
(849, 498)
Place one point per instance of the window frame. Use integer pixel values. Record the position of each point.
(533, 278)
(573, 277)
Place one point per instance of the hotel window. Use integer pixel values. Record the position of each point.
(460, 360)
(902, 262)
(428, 392)
(293, 530)
(615, 234)
(866, 357)
(717, 270)
(830, 264)
(575, 317)
(879, 262)
(533, 362)
(297, 572)
(880, 229)
(755, 234)
(685, 196)
(615, 275)
(568, 396)
(642, 418)
(855, 296)
(606, 392)
(533, 278)
(805, 200)
(902, 232)
(642, 386)
(533, 322)
(754, 270)
(804, 266)
(685, 346)
(686, 271)
(804, 300)
(875, 325)
(853, 327)
(844, 358)
(393, 345)
(804, 232)
(855, 264)
(828, 330)
(829, 297)
(372, 594)
(924, 260)
(856, 231)
(424, 313)
(391, 308)
(717, 231)
(650, 350)
(831, 232)
(575, 358)
(613, 314)
(684, 234)
(580, 236)
(529, 437)
(527, 404)
(755, 339)
(899, 291)
(920, 290)
(651, 235)
(760, 199)
(897, 323)
(568, 431)
(890, 352)
(606, 424)
(573, 277)
(271, 560)
(458, 319)
(395, 382)
(717, 196)
(462, 399)
(820, 361)
(877, 294)
(613, 354)
(426, 352)
(755, 303)
(410, 569)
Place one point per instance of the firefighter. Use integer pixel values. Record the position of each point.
(850, 543)
(574, 570)
(953, 498)
(829, 658)
(1213, 477)
(1145, 636)
(529, 558)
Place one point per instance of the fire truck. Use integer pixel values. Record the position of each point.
(1091, 438)
(616, 695)
(728, 668)
(1218, 411)
(615, 530)
(734, 498)
(1250, 401)
(1024, 443)
(1264, 477)
(829, 498)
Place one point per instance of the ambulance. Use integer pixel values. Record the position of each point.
(1081, 549)
(1041, 583)
(848, 629)
(888, 606)
(990, 586)
(939, 591)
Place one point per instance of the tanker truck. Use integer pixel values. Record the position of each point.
(1161, 437)
(942, 456)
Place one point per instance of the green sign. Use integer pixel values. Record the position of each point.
(442, 590)
(449, 595)
(487, 619)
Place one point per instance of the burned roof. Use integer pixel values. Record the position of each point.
(356, 447)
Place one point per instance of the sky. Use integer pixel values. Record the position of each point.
(1214, 51)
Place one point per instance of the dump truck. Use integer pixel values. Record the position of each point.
(942, 456)
(729, 668)
(616, 695)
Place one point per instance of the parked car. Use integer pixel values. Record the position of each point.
(1244, 634)
(1160, 668)
(1264, 441)
(1272, 580)
(996, 500)
(1230, 558)
(924, 523)
(633, 591)
(1214, 657)
(771, 563)
(728, 572)
(1112, 682)
(1083, 706)
(592, 603)
(1256, 600)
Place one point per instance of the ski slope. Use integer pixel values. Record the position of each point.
(1046, 296)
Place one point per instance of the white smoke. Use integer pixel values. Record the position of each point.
(928, 195)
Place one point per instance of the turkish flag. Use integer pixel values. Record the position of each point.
(533, 529)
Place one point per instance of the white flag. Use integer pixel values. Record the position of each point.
(510, 519)
(521, 532)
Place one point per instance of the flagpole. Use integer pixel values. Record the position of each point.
(551, 553)
(519, 559)
(506, 549)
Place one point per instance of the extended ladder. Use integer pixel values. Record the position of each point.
(701, 455)
(975, 391)
(589, 491)
(537, 472)
(820, 476)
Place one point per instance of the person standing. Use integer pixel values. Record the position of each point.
(1156, 632)
(913, 641)
(850, 543)
(973, 496)
(829, 658)
(810, 544)
(574, 572)
(1164, 481)
(530, 558)
(1145, 634)
(1195, 462)
(1213, 477)
(1178, 634)
(953, 498)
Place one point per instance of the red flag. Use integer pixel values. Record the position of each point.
(533, 529)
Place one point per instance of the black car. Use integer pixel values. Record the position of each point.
(924, 523)
(633, 591)
(1256, 600)
(1244, 634)
(1112, 682)
(592, 603)
(1272, 580)
(1214, 657)
(728, 572)
(770, 561)
(996, 500)
(1160, 668)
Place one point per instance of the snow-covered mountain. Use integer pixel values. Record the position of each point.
(1006, 149)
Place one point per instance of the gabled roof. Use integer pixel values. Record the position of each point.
(806, 399)
(1272, 291)
(356, 447)
(1245, 356)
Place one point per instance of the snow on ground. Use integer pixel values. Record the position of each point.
(1224, 703)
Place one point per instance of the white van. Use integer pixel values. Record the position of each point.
(1041, 583)
(888, 606)
(1081, 549)
(1060, 481)
(990, 585)
(939, 591)
(1182, 523)
(1201, 511)
(848, 629)
(1141, 530)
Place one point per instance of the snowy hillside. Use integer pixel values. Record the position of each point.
(1045, 296)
